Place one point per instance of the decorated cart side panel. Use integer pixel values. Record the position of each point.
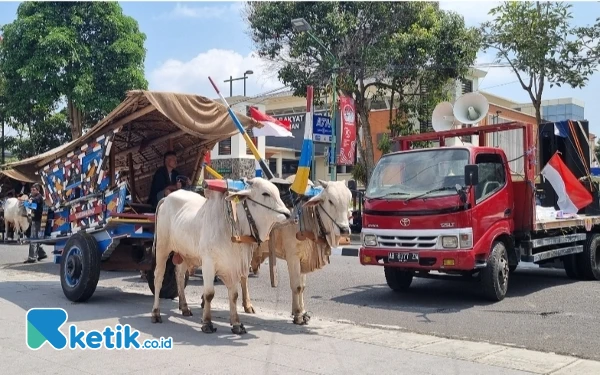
(76, 188)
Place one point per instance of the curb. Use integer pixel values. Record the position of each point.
(345, 251)
(479, 352)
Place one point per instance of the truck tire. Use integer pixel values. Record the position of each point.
(494, 276)
(169, 287)
(398, 280)
(590, 258)
(571, 266)
(80, 267)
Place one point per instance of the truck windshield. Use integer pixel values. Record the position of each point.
(408, 174)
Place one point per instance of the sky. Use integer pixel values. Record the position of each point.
(189, 41)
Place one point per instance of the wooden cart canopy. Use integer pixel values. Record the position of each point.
(16, 175)
(151, 124)
(159, 111)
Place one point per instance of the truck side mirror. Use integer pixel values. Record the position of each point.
(471, 174)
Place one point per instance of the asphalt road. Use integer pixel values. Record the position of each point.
(544, 310)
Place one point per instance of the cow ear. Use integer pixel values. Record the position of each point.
(237, 196)
(313, 201)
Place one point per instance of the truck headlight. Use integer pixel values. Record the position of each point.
(450, 242)
(370, 240)
(466, 241)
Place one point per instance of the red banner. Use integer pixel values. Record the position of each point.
(348, 132)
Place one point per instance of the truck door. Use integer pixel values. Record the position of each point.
(493, 196)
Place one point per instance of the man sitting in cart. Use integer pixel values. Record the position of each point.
(165, 180)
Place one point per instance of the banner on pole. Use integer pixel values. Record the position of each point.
(348, 131)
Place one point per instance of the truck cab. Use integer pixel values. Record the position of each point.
(424, 208)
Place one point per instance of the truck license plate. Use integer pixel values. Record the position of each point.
(404, 257)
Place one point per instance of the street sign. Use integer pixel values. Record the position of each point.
(322, 129)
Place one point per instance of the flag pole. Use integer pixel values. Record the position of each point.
(301, 179)
(245, 135)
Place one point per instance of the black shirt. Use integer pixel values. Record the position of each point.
(21, 189)
(160, 181)
(37, 213)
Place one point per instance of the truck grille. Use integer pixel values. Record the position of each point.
(407, 242)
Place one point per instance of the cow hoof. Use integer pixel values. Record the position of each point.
(249, 309)
(306, 317)
(156, 317)
(299, 320)
(208, 328)
(186, 312)
(239, 329)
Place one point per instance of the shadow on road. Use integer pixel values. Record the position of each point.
(429, 296)
(110, 306)
(47, 267)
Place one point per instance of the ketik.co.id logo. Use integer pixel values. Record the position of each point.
(43, 325)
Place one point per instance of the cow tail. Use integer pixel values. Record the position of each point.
(160, 202)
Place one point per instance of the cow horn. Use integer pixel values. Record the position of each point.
(324, 183)
(250, 181)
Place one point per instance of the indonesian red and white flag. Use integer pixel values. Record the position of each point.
(272, 127)
(572, 195)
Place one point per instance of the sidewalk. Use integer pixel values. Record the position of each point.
(272, 345)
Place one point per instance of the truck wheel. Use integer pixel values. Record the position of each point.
(80, 267)
(570, 264)
(398, 280)
(169, 287)
(494, 276)
(590, 258)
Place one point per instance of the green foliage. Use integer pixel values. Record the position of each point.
(85, 55)
(379, 46)
(539, 42)
(45, 135)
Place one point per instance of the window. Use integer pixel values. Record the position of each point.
(225, 147)
(467, 86)
(492, 176)
(560, 109)
(550, 110)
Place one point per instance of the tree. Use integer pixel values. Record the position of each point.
(45, 135)
(82, 55)
(381, 46)
(541, 46)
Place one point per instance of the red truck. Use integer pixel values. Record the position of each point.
(453, 211)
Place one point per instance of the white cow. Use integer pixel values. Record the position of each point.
(326, 217)
(198, 231)
(15, 213)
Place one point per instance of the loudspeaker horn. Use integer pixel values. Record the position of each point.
(442, 117)
(471, 108)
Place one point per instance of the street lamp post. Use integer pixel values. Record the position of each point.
(301, 25)
(231, 79)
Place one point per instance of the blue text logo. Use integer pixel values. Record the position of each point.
(43, 325)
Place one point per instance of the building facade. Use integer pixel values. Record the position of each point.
(233, 159)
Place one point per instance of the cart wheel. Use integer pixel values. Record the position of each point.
(80, 267)
(169, 287)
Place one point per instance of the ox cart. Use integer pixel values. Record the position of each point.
(97, 186)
